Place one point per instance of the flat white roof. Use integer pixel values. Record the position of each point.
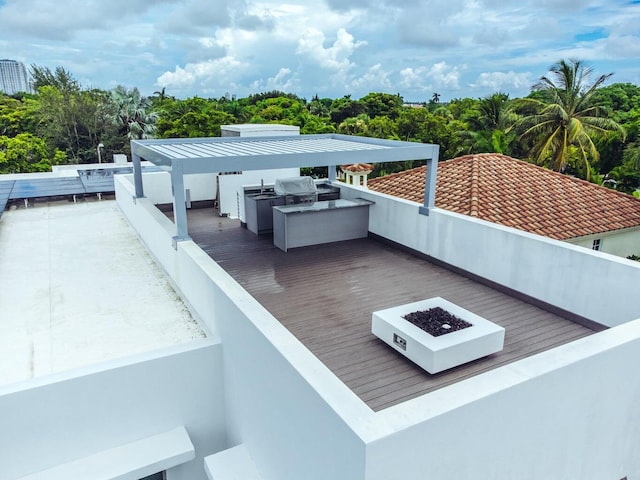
(77, 287)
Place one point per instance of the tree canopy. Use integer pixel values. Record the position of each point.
(569, 121)
(566, 119)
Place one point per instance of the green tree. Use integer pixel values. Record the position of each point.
(192, 117)
(285, 109)
(130, 113)
(74, 121)
(383, 127)
(18, 115)
(61, 79)
(320, 106)
(343, 108)
(315, 124)
(438, 127)
(566, 117)
(26, 153)
(490, 125)
(622, 101)
(382, 105)
(355, 125)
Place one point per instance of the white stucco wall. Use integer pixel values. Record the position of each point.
(623, 243)
(283, 404)
(147, 218)
(595, 285)
(63, 417)
(391, 217)
(568, 413)
(157, 186)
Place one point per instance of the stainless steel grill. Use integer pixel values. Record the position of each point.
(297, 190)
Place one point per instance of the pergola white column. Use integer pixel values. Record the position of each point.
(430, 183)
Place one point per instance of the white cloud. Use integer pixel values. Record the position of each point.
(63, 20)
(373, 80)
(335, 57)
(439, 76)
(282, 81)
(622, 47)
(355, 47)
(499, 81)
(215, 73)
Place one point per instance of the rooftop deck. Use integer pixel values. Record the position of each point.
(325, 295)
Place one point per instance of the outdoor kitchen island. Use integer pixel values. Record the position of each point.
(303, 224)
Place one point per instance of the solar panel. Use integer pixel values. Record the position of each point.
(47, 187)
(5, 191)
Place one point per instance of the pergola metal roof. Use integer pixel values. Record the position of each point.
(224, 154)
(207, 155)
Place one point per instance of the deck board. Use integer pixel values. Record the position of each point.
(325, 294)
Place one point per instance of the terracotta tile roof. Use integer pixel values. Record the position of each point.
(518, 194)
(357, 168)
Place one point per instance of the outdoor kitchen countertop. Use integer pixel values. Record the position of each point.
(323, 205)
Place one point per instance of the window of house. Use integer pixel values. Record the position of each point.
(596, 244)
(156, 476)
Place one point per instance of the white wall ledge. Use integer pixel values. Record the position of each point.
(127, 462)
(231, 464)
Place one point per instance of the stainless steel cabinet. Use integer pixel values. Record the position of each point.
(258, 212)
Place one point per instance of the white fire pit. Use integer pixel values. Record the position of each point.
(436, 354)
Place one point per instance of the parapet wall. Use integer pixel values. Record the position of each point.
(591, 284)
(64, 417)
(282, 403)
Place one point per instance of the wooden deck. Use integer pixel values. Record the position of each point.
(325, 296)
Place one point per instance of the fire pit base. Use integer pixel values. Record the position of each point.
(435, 354)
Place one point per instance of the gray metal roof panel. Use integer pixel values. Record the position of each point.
(219, 154)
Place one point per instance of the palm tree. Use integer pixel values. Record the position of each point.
(130, 113)
(490, 125)
(160, 95)
(561, 129)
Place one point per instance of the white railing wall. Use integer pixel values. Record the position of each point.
(392, 218)
(271, 380)
(157, 186)
(568, 413)
(594, 285)
(63, 417)
(564, 413)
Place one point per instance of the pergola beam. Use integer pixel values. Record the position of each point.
(224, 154)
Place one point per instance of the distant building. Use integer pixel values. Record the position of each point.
(13, 77)
(414, 104)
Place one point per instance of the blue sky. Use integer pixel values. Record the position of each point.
(457, 48)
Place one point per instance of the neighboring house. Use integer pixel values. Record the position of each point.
(517, 194)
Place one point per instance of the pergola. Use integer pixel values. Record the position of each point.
(223, 154)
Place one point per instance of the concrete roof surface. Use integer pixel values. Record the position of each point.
(517, 194)
(77, 287)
